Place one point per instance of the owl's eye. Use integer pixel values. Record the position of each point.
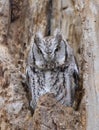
(39, 51)
(57, 49)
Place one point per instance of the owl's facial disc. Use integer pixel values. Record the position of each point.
(50, 50)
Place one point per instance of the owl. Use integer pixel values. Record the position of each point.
(52, 68)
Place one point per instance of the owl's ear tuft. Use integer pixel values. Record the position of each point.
(58, 35)
(38, 37)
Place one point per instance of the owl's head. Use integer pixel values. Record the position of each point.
(49, 52)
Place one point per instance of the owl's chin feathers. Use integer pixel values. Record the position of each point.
(50, 66)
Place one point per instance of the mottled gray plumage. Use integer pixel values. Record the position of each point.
(52, 68)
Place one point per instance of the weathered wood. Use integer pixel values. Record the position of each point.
(91, 57)
(79, 22)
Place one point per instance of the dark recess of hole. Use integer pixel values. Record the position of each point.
(14, 10)
(49, 15)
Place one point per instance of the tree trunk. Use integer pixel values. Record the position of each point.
(19, 21)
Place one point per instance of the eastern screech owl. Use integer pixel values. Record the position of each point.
(52, 68)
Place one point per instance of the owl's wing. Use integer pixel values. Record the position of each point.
(72, 66)
(73, 72)
(30, 57)
(76, 73)
(30, 64)
(30, 76)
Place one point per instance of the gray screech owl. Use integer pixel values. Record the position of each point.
(52, 68)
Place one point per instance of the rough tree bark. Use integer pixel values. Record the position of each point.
(79, 22)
